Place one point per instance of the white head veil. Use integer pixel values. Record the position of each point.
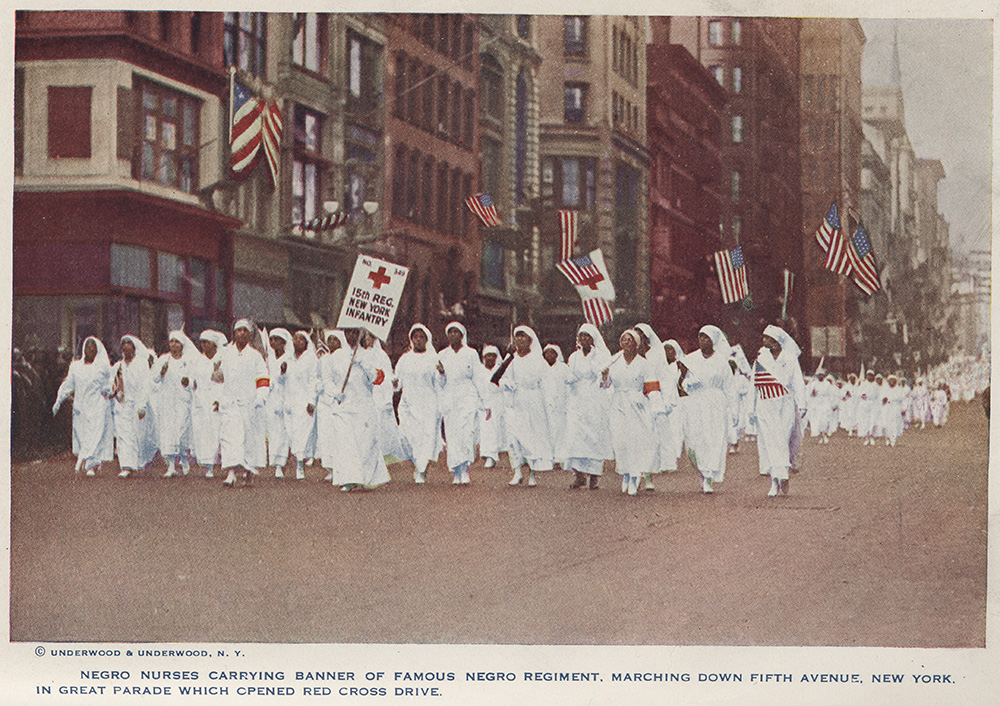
(720, 343)
(339, 335)
(187, 347)
(635, 337)
(216, 337)
(141, 351)
(784, 339)
(310, 348)
(461, 328)
(427, 332)
(655, 352)
(676, 347)
(101, 358)
(557, 349)
(536, 346)
(595, 333)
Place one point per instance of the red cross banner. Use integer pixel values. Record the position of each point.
(372, 297)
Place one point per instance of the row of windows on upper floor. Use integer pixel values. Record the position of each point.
(430, 100)
(430, 192)
(625, 55)
(716, 31)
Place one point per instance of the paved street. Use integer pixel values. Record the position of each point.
(874, 546)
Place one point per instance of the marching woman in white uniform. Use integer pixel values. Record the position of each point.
(173, 381)
(326, 434)
(461, 401)
(780, 391)
(631, 380)
(245, 384)
(89, 381)
(587, 442)
(708, 380)
(130, 387)
(278, 359)
(419, 412)
(389, 440)
(529, 434)
(206, 419)
(867, 399)
(300, 401)
(354, 457)
(661, 403)
(670, 388)
(892, 411)
(492, 432)
(555, 397)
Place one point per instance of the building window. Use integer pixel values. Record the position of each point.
(360, 144)
(307, 45)
(715, 33)
(491, 91)
(736, 186)
(737, 128)
(364, 82)
(306, 166)
(18, 120)
(399, 182)
(575, 35)
(574, 95)
(69, 122)
(491, 167)
(737, 228)
(169, 273)
(736, 31)
(170, 129)
(130, 266)
(492, 273)
(197, 269)
(626, 226)
(719, 73)
(569, 181)
(523, 26)
(737, 79)
(245, 41)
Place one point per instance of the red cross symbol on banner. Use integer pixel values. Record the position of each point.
(592, 280)
(379, 278)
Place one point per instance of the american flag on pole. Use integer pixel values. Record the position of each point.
(597, 311)
(830, 224)
(482, 205)
(863, 263)
(767, 385)
(567, 228)
(837, 259)
(732, 275)
(589, 275)
(254, 126)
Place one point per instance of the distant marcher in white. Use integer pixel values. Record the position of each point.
(529, 434)
(780, 394)
(708, 380)
(326, 433)
(89, 381)
(278, 360)
(245, 381)
(492, 431)
(420, 384)
(555, 397)
(461, 401)
(206, 419)
(301, 380)
(390, 441)
(173, 382)
(588, 433)
(632, 436)
(130, 387)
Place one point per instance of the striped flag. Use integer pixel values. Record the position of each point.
(255, 126)
(767, 385)
(732, 275)
(482, 205)
(830, 224)
(863, 263)
(597, 311)
(567, 228)
(789, 284)
(589, 275)
(321, 224)
(837, 259)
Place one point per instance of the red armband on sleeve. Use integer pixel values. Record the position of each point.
(263, 382)
(648, 387)
(379, 376)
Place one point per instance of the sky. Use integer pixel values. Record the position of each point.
(947, 72)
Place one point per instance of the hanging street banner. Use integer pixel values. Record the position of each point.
(373, 296)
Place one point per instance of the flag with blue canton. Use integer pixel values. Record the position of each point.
(862, 258)
(830, 225)
(732, 271)
(482, 205)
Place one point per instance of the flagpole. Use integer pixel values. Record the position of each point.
(232, 95)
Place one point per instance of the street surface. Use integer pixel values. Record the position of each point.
(873, 546)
